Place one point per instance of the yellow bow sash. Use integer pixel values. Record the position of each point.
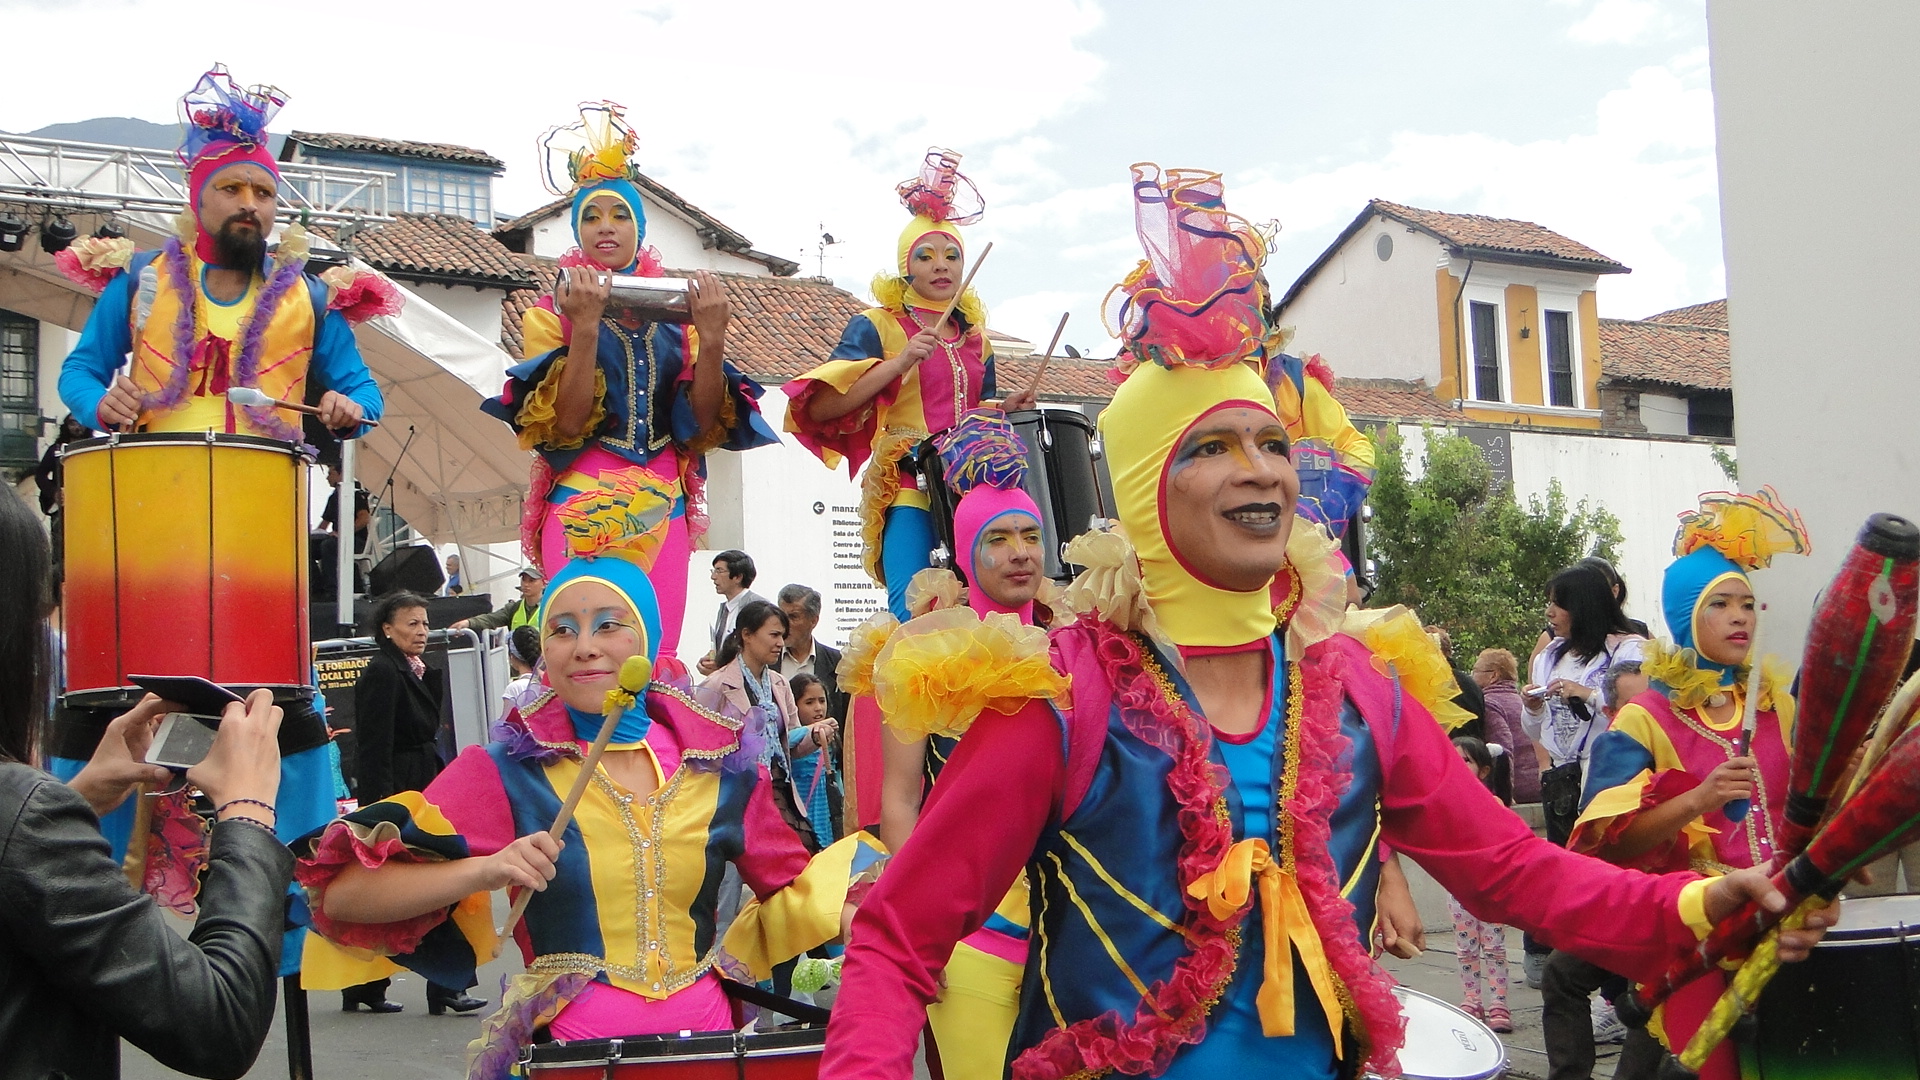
(1287, 927)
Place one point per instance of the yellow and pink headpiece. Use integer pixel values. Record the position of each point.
(1192, 311)
(941, 200)
(597, 155)
(225, 125)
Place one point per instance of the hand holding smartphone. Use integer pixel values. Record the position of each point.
(184, 738)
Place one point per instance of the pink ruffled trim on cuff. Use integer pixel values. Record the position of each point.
(850, 436)
(339, 846)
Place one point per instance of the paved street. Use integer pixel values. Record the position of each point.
(410, 1045)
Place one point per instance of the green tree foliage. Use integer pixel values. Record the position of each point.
(1457, 547)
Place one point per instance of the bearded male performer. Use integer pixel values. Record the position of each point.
(209, 311)
(1194, 811)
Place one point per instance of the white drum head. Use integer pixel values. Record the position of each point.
(1444, 1043)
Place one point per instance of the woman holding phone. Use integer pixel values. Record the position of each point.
(80, 949)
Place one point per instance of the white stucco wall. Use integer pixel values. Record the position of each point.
(476, 309)
(763, 501)
(1663, 415)
(673, 236)
(1822, 88)
(1646, 483)
(1373, 319)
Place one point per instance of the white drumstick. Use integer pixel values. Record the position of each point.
(248, 396)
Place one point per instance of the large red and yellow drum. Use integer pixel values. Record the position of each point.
(185, 555)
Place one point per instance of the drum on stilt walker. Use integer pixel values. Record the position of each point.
(186, 554)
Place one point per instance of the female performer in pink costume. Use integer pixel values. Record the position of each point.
(655, 396)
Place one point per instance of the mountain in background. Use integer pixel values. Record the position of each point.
(124, 131)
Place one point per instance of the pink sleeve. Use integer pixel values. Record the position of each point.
(774, 855)
(974, 838)
(470, 794)
(1437, 814)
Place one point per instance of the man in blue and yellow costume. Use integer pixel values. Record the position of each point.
(621, 938)
(210, 311)
(1197, 802)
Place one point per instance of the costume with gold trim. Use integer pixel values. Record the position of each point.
(1664, 744)
(926, 401)
(1201, 904)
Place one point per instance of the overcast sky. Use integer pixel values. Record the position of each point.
(1592, 117)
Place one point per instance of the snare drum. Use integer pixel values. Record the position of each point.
(1444, 1043)
(712, 1055)
(186, 554)
(1849, 1010)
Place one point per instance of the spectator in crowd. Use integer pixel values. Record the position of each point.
(1469, 697)
(1619, 586)
(815, 776)
(523, 658)
(396, 726)
(1482, 946)
(456, 582)
(748, 677)
(806, 653)
(362, 510)
(1568, 1009)
(522, 610)
(86, 960)
(733, 572)
(1562, 700)
(1497, 674)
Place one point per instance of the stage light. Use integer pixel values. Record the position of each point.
(110, 230)
(13, 232)
(56, 233)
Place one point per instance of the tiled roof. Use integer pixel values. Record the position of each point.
(368, 144)
(1391, 399)
(1689, 357)
(782, 327)
(1496, 236)
(1713, 313)
(443, 248)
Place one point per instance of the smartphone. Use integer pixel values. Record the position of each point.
(183, 740)
(185, 737)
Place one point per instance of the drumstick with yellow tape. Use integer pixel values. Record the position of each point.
(966, 282)
(248, 396)
(635, 673)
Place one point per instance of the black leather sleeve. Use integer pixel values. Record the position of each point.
(199, 1005)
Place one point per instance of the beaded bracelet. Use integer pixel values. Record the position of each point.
(255, 822)
(269, 807)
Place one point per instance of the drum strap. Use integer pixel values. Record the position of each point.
(753, 995)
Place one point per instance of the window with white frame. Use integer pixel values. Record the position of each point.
(1483, 344)
(449, 191)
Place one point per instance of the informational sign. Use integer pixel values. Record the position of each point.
(855, 596)
(1496, 445)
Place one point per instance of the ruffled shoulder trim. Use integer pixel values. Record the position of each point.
(1111, 587)
(538, 417)
(1399, 646)
(1688, 685)
(1315, 603)
(705, 725)
(92, 262)
(939, 672)
(359, 294)
(855, 673)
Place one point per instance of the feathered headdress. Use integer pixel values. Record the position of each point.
(1748, 529)
(220, 116)
(595, 155)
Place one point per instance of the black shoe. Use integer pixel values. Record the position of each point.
(376, 1002)
(440, 999)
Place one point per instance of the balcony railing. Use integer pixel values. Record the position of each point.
(77, 176)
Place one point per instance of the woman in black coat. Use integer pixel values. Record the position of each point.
(396, 725)
(85, 959)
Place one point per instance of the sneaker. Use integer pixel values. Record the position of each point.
(1535, 969)
(1500, 1020)
(1607, 1027)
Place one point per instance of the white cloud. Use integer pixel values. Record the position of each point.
(1637, 188)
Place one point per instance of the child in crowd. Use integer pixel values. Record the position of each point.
(1483, 945)
(813, 775)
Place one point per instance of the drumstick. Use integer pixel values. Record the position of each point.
(246, 395)
(1750, 712)
(634, 674)
(940, 323)
(1034, 386)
